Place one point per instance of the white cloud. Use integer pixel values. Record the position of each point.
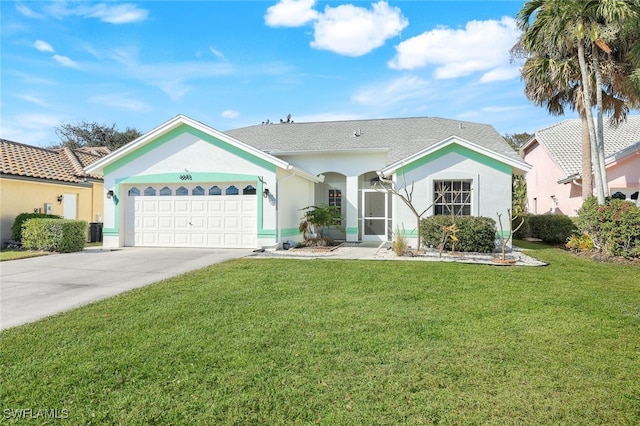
(120, 101)
(118, 14)
(346, 29)
(393, 92)
(33, 99)
(65, 61)
(218, 54)
(43, 46)
(230, 114)
(290, 13)
(355, 31)
(24, 10)
(481, 46)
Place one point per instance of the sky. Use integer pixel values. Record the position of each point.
(231, 64)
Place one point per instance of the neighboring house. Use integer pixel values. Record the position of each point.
(34, 179)
(555, 153)
(185, 184)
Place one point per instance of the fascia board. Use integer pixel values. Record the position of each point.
(520, 165)
(98, 166)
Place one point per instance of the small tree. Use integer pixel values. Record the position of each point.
(317, 219)
(504, 241)
(86, 134)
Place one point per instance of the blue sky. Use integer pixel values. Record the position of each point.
(231, 64)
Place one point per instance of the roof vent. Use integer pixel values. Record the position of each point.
(460, 126)
(357, 133)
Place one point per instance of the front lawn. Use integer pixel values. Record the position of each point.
(15, 254)
(280, 341)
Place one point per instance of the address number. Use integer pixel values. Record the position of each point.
(186, 177)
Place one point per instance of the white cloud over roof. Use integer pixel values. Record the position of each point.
(481, 46)
(346, 29)
(43, 46)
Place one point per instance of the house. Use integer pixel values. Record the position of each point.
(34, 179)
(185, 184)
(554, 182)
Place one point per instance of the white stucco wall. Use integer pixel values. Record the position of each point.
(491, 189)
(293, 194)
(186, 153)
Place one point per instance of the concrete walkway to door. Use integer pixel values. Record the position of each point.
(34, 288)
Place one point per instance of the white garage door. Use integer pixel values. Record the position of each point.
(197, 215)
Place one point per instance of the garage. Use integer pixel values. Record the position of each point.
(211, 215)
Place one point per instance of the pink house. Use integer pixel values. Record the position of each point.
(554, 182)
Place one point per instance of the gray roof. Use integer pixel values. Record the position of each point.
(400, 137)
(563, 141)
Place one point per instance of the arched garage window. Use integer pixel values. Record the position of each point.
(198, 190)
(165, 191)
(232, 190)
(249, 190)
(215, 190)
(182, 191)
(149, 191)
(134, 192)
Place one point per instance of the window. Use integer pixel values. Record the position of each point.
(198, 190)
(249, 190)
(182, 191)
(165, 191)
(335, 198)
(149, 191)
(215, 190)
(232, 190)
(134, 192)
(452, 197)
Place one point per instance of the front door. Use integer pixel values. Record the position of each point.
(375, 205)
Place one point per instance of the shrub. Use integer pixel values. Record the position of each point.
(550, 228)
(474, 234)
(614, 226)
(400, 244)
(54, 235)
(580, 242)
(16, 228)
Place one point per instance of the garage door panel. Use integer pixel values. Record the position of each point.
(192, 221)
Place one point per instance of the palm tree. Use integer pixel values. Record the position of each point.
(562, 27)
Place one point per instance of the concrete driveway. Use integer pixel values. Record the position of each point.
(34, 288)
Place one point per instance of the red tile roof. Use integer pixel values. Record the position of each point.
(62, 164)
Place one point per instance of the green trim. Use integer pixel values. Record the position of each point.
(183, 128)
(289, 232)
(110, 232)
(196, 177)
(409, 234)
(456, 149)
(505, 234)
(266, 233)
(351, 230)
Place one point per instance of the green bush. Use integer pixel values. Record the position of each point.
(16, 228)
(614, 227)
(475, 234)
(60, 235)
(550, 228)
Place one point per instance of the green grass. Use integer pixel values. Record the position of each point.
(279, 341)
(15, 254)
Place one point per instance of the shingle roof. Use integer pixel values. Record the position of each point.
(401, 137)
(63, 164)
(563, 141)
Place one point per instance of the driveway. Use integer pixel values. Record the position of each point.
(34, 288)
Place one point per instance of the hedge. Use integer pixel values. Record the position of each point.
(475, 234)
(61, 235)
(550, 228)
(16, 228)
(614, 227)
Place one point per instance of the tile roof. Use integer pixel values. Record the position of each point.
(62, 164)
(563, 141)
(401, 137)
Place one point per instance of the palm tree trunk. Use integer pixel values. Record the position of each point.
(587, 178)
(589, 115)
(600, 132)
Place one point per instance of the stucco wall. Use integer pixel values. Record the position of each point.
(294, 194)
(24, 196)
(204, 158)
(624, 175)
(490, 191)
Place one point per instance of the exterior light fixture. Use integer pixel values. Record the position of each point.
(60, 198)
(110, 193)
(265, 193)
